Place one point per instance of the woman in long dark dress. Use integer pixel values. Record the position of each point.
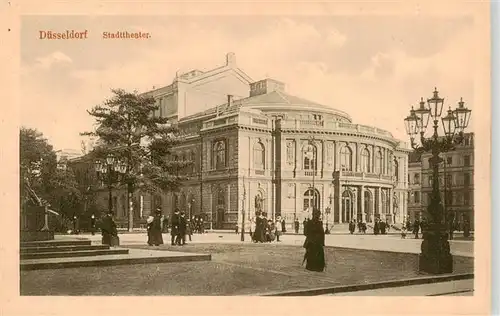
(315, 241)
(156, 230)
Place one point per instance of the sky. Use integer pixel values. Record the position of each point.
(372, 67)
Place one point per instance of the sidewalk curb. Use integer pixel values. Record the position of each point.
(372, 286)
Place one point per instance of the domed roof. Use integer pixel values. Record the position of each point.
(281, 101)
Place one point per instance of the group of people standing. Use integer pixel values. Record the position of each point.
(263, 229)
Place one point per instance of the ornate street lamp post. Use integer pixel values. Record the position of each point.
(435, 257)
(110, 169)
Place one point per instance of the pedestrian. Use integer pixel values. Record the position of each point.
(165, 224)
(283, 226)
(466, 228)
(352, 227)
(416, 228)
(403, 231)
(376, 227)
(174, 232)
(189, 228)
(304, 226)
(236, 228)
(252, 229)
(297, 226)
(156, 229)
(382, 226)
(277, 232)
(181, 236)
(109, 231)
(314, 243)
(202, 226)
(149, 226)
(92, 225)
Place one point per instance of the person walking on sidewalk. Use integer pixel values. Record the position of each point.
(108, 230)
(314, 243)
(174, 232)
(189, 228)
(297, 225)
(276, 229)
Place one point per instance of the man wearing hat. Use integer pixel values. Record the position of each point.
(174, 232)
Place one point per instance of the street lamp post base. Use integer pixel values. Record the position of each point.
(435, 257)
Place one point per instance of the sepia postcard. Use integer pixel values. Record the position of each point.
(222, 157)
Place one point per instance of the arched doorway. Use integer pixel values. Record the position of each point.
(311, 200)
(347, 206)
(368, 206)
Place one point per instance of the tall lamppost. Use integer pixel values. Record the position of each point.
(435, 257)
(110, 169)
(312, 154)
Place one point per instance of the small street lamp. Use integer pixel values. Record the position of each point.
(110, 169)
(435, 257)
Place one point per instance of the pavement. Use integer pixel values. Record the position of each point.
(450, 288)
(389, 242)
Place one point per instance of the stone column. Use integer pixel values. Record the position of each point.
(391, 205)
(341, 209)
(379, 204)
(362, 206)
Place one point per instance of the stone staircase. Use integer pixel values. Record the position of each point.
(73, 253)
(65, 249)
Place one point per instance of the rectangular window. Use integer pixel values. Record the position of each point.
(466, 198)
(467, 160)
(417, 197)
(466, 179)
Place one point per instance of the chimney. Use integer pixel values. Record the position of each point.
(230, 59)
(229, 100)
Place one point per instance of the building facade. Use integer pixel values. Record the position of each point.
(255, 147)
(456, 181)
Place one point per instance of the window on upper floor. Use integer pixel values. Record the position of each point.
(449, 161)
(219, 154)
(346, 158)
(467, 179)
(466, 198)
(365, 160)
(416, 178)
(379, 164)
(310, 155)
(417, 197)
(466, 160)
(259, 156)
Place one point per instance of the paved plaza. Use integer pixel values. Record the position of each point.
(244, 268)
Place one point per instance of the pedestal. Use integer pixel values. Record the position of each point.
(435, 257)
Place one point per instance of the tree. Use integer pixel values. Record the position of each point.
(39, 169)
(127, 127)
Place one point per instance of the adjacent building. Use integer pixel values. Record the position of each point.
(456, 180)
(257, 147)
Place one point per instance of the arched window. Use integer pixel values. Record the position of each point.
(221, 198)
(365, 160)
(346, 159)
(311, 199)
(219, 154)
(259, 156)
(379, 164)
(310, 153)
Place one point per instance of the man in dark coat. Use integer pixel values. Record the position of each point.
(283, 226)
(182, 229)
(352, 227)
(315, 241)
(376, 227)
(108, 229)
(304, 225)
(416, 228)
(382, 227)
(297, 226)
(174, 232)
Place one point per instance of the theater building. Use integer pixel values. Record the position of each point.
(257, 147)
